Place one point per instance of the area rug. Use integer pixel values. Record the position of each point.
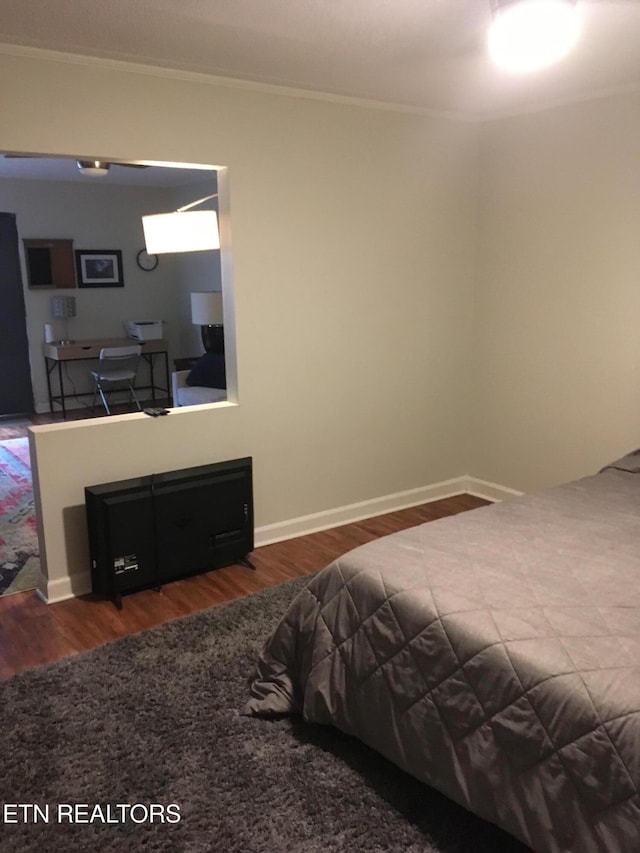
(142, 745)
(19, 560)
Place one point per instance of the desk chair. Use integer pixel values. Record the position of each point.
(116, 371)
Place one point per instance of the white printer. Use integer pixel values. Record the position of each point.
(144, 330)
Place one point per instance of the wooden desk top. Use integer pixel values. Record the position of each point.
(91, 348)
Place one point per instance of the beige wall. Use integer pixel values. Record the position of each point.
(557, 348)
(353, 264)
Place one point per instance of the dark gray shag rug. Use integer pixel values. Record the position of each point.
(156, 719)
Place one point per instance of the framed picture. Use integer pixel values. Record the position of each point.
(49, 263)
(99, 268)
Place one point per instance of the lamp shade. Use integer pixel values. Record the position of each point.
(63, 307)
(181, 231)
(206, 308)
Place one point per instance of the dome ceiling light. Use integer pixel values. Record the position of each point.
(528, 35)
(93, 168)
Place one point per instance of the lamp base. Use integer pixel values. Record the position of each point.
(213, 338)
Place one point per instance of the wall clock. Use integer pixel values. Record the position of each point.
(146, 261)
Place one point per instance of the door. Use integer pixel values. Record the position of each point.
(16, 393)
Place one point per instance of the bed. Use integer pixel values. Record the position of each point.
(493, 655)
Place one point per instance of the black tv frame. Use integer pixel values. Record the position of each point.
(148, 531)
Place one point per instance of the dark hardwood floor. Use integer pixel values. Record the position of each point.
(16, 427)
(33, 633)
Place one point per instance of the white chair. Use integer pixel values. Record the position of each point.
(116, 371)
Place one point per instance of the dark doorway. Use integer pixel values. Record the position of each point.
(16, 393)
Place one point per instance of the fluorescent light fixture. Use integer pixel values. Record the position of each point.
(527, 35)
(182, 230)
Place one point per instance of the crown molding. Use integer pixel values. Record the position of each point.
(559, 103)
(219, 81)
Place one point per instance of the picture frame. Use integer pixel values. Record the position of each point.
(49, 263)
(99, 268)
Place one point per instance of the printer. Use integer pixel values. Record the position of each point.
(144, 330)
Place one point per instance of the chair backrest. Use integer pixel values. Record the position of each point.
(120, 359)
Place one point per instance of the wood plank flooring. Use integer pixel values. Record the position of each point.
(33, 633)
(17, 427)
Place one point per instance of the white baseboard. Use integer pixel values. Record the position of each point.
(72, 586)
(305, 524)
(488, 491)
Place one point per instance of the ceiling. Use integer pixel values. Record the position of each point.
(66, 169)
(426, 54)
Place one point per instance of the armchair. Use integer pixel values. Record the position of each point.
(193, 395)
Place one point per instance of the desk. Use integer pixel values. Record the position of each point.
(56, 354)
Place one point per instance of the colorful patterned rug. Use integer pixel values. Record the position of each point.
(19, 559)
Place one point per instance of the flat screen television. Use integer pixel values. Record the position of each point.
(151, 530)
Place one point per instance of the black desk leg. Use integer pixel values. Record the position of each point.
(153, 382)
(167, 377)
(48, 369)
(151, 357)
(64, 408)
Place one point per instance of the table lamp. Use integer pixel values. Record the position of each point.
(206, 312)
(63, 307)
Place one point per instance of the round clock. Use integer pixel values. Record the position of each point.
(146, 261)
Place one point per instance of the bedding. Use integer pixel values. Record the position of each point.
(494, 655)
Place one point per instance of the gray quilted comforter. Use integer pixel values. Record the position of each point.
(494, 655)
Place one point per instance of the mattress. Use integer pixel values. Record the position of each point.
(494, 655)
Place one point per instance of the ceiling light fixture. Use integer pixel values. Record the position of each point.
(93, 168)
(182, 230)
(527, 35)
